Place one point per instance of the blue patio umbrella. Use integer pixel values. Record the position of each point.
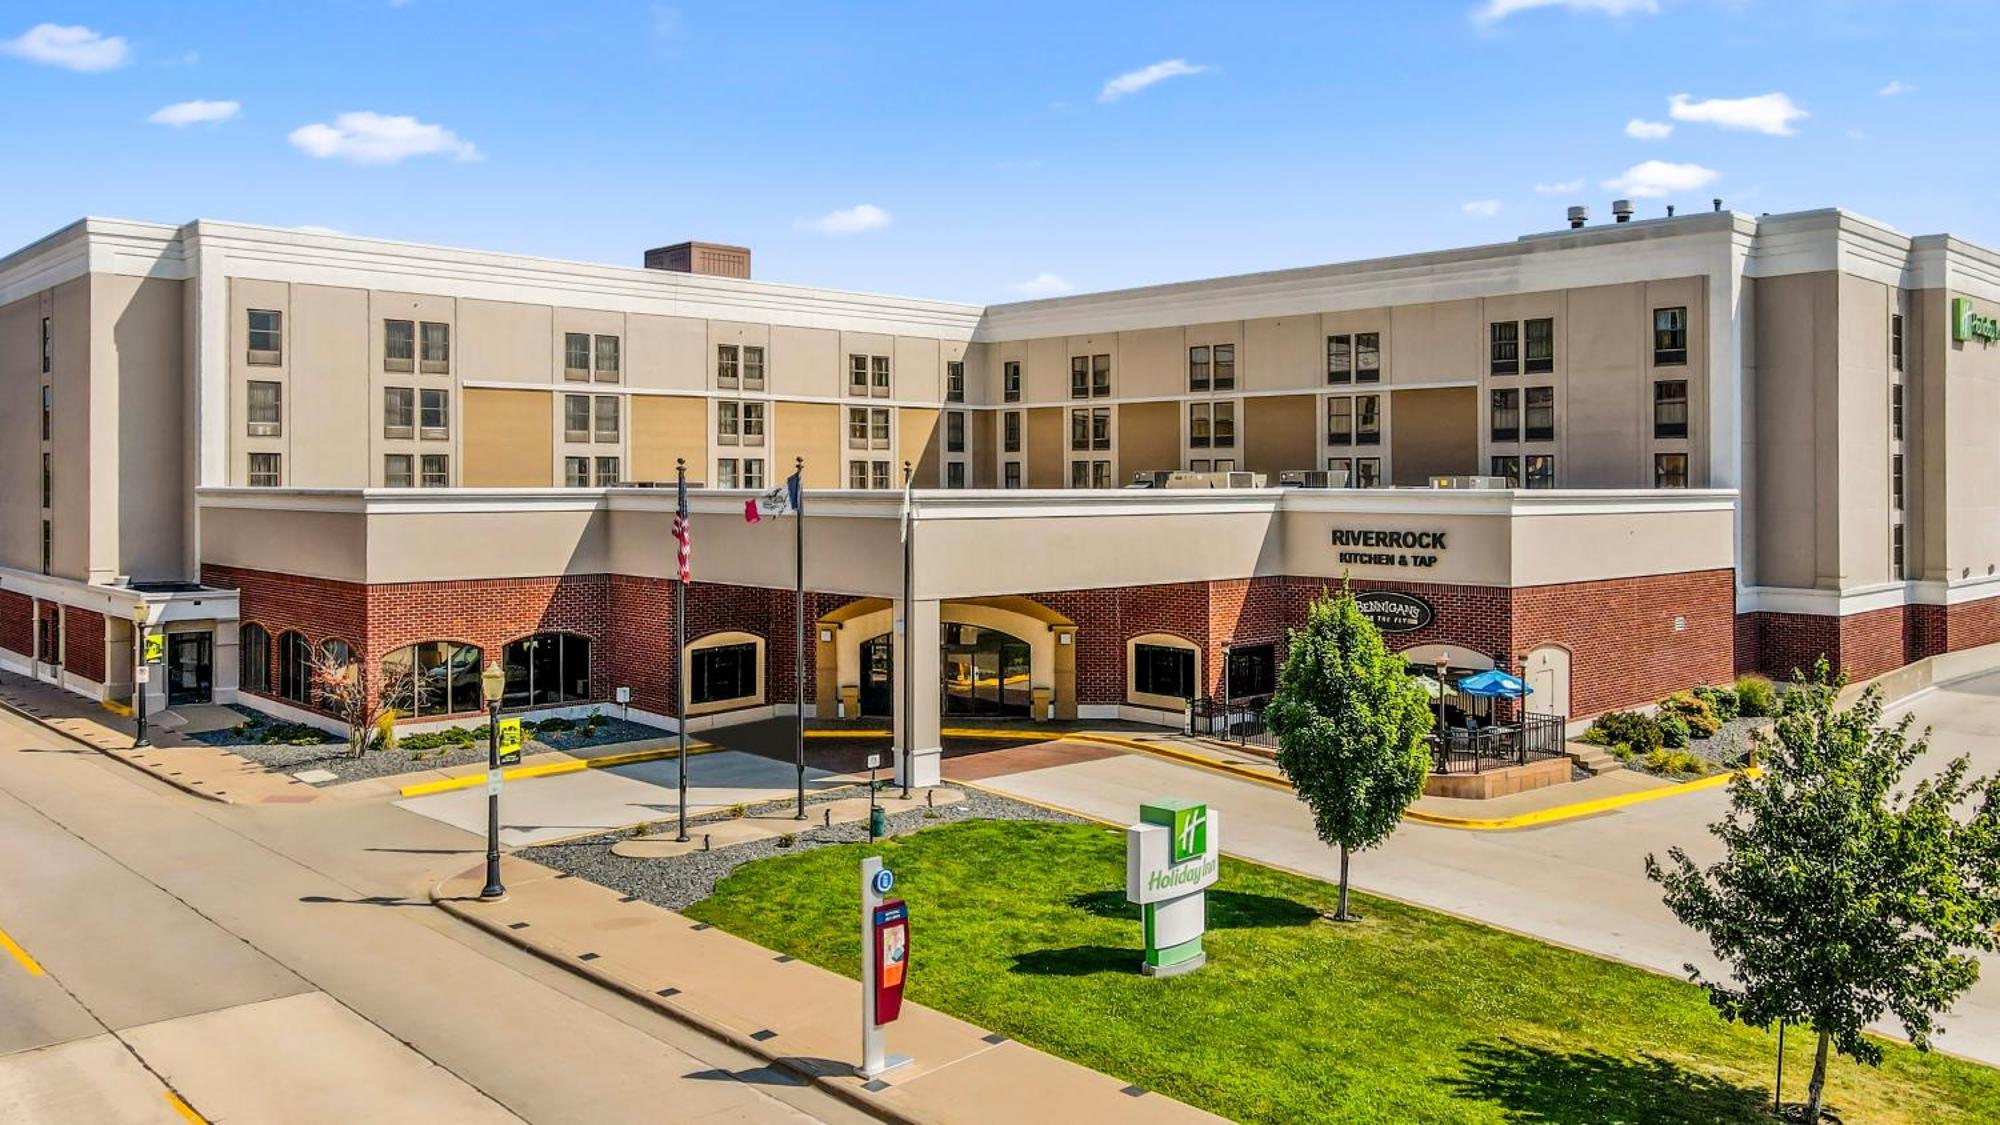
(1494, 684)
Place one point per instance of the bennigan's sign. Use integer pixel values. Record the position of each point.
(1395, 613)
(1969, 325)
(1380, 547)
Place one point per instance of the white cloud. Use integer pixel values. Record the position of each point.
(1765, 113)
(1133, 81)
(1653, 178)
(74, 47)
(1560, 187)
(1493, 11)
(848, 220)
(373, 138)
(1642, 130)
(1896, 86)
(1043, 285)
(196, 112)
(1481, 208)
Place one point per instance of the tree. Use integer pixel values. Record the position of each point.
(1350, 722)
(1840, 899)
(346, 690)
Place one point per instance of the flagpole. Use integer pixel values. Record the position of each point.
(680, 656)
(799, 623)
(909, 654)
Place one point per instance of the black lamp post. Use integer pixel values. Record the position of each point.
(492, 683)
(139, 614)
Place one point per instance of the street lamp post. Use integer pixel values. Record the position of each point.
(139, 674)
(1443, 668)
(492, 683)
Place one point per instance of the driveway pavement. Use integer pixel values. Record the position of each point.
(1579, 883)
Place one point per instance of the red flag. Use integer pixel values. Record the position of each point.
(681, 529)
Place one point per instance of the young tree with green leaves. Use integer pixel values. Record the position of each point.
(1350, 722)
(1840, 899)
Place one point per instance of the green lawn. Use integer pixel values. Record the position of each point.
(1409, 1016)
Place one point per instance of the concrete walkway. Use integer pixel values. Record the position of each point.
(801, 1017)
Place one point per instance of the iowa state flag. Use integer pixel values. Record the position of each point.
(780, 501)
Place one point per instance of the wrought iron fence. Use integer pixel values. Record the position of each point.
(1240, 721)
(1535, 738)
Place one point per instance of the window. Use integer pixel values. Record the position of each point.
(954, 380)
(333, 653)
(1100, 428)
(1161, 670)
(576, 417)
(295, 660)
(1083, 473)
(1541, 471)
(547, 668)
(857, 375)
(399, 345)
(1896, 568)
(267, 337)
(48, 413)
(1198, 368)
(1506, 348)
(954, 474)
(1340, 421)
(264, 471)
(1367, 472)
(1212, 425)
(1508, 468)
(726, 473)
(1225, 367)
(1100, 376)
(1100, 474)
(48, 550)
(265, 407)
(1896, 481)
(1895, 411)
(399, 412)
(607, 472)
(605, 413)
(954, 432)
(1010, 432)
(398, 470)
(437, 470)
(1079, 376)
(48, 346)
(1670, 337)
(1895, 342)
(1540, 356)
(607, 359)
(728, 366)
(878, 474)
(1079, 430)
(868, 474)
(1670, 408)
(1010, 380)
(728, 423)
(1367, 357)
(434, 417)
(1670, 470)
(576, 356)
(1368, 419)
(1506, 415)
(433, 678)
(436, 358)
(722, 673)
(1252, 671)
(1010, 475)
(48, 483)
(1340, 359)
(253, 658)
(1198, 425)
(878, 376)
(576, 472)
(868, 427)
(857, 474)
(1539, 414)
(753, 368)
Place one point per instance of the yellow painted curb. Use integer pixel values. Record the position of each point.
(185, 1110)
(1006, 733)
(847, 734)
(33, 966)
(551, 769)
(115, 707)
(1257, 776)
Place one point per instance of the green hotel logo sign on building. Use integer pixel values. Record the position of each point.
(1969, 325)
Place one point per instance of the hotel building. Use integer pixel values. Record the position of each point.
(1723, 442)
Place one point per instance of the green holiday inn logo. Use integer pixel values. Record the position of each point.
(1190, 838)
(1969, 325)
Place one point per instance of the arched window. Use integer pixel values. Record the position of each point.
(432, 678)
(295, 656)
(545, 669)
(253, 655)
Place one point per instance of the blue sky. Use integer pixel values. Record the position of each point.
(988, 153)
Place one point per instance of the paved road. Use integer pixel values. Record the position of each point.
(1579, 883)
(284, 964)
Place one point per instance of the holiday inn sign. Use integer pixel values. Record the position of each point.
(1969, 325)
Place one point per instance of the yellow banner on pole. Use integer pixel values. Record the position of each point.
(510, 742)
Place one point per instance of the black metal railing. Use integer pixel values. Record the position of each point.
(1240, 720)
(1534, 738)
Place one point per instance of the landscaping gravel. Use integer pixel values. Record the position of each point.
(682, 881)
(1726, 749)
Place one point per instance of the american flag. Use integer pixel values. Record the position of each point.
(681, 526)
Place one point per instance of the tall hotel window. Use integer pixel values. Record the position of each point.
(546, 668)
(608, 359)
(436, 344)
(1160, 670)
(399, 345)
(399, 470)
(1010, 475)
(576, 472)
(1507, 415)
(1540, 471)
(1506, 347)
(608, 475)
(1090, 474)
(1225, 367)
(1010, 380)
(48, 346)
(1354, 358)
(264, 470)
(868, 375)
(1540, 356)
(954, 431)
(436, 470)
(867, 427)
(48, 413)
(1367, 472)
(739, 366)
(1539, 414)
(738, 472)
(267, 337)
(1089, 376)
(48, 482)
(954, 380)
(1670, 408)
(576, 356)
(868, 474)
(1896, 481)
(739, 423)
(1340, 359)
(1670, 470)
(1199, 368)
(434, 414)
(1010, 432)
(576, 417)
(399, 412)
(604, 411)
(954, 474)
(48, 549)
(1670, 336)
(1354, 421)
(1896, 411)
(1508, 468)
(265, 406)
(1896, 567)
(1896, 341)
(1090, 429)
(1212, 425)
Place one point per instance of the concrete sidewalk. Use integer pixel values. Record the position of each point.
(800, 1017)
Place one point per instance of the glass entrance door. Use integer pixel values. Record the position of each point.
(878, 676)
(983, 672)
(189, 667)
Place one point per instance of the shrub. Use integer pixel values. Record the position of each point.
(1721, 700)
(739, 811)
(1673, 731)
(385, 731)
(1755, 697)
(556, 725)
(292, 734)
(1699, 716)
(1621, 751)
(1678, 763)
(1639, 732)
(788, 839)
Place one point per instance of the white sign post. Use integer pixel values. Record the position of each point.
(876, 882)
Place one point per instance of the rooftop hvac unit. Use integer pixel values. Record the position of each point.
(1236, 479)
(1313, 478)
(1150, 478)
(1469, 482)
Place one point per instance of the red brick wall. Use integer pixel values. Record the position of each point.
(490, 613)
(1623, 647)
(17, 623)
(641, 619)
(1108, 618)
(83, 643)
(1864, 644)
(320, 609)
(1971, 624)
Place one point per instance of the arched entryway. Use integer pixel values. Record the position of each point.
(996, 656)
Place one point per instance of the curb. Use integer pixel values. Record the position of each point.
(851, 1095)
(116, 755)
(551, 769)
